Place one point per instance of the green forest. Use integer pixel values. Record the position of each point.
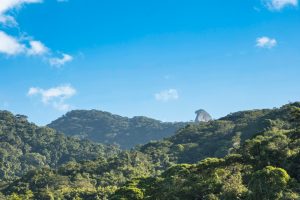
(107, 128)
(247, 155)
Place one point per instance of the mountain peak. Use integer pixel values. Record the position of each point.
(202, 116)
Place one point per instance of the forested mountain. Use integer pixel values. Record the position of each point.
(246, 155)
(25, 146)
(265, 167)
(217, 138)
(104, 127)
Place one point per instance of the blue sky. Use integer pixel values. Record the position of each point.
(162, 59)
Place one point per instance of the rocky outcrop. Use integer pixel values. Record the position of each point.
(202, 116)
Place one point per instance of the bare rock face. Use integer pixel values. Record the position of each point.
(202, 116)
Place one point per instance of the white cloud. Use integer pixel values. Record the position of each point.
(37, 48)
(167, 95)
(266, 42)
(10, 45)
(62, 92)
(280, 4)
(7, 5)
(58, 62)
(55, 96)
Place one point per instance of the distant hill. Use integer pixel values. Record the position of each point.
(107, 128)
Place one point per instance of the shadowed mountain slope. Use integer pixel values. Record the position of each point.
(104, 127)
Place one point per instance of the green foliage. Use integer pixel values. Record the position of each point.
(129, 192)
(25, 146)
(245, 156)
(107, 128)
(268, 183)
(265, 167)
(218, 138)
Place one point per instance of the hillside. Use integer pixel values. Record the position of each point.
(25, 146)
(257, 152)
(264, 167)
(217, 138)
(104, 127)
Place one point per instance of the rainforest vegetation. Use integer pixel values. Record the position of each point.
(247, 155)
(107, 128)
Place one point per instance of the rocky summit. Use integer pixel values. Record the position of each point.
(202, 116)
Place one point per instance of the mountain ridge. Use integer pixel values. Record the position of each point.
(245, 155)
(108, 128)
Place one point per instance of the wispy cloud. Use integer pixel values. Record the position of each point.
(266, 42)
(58, 62)
(14, 45)
(7, 5)
(37, 48)
(55, 96)
(167, 95)
(277, 5)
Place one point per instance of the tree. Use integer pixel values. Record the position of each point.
(268, 183)
(128, 193)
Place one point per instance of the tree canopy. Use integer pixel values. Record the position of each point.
(247, 155)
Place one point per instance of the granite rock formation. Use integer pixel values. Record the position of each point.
(202, 116)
